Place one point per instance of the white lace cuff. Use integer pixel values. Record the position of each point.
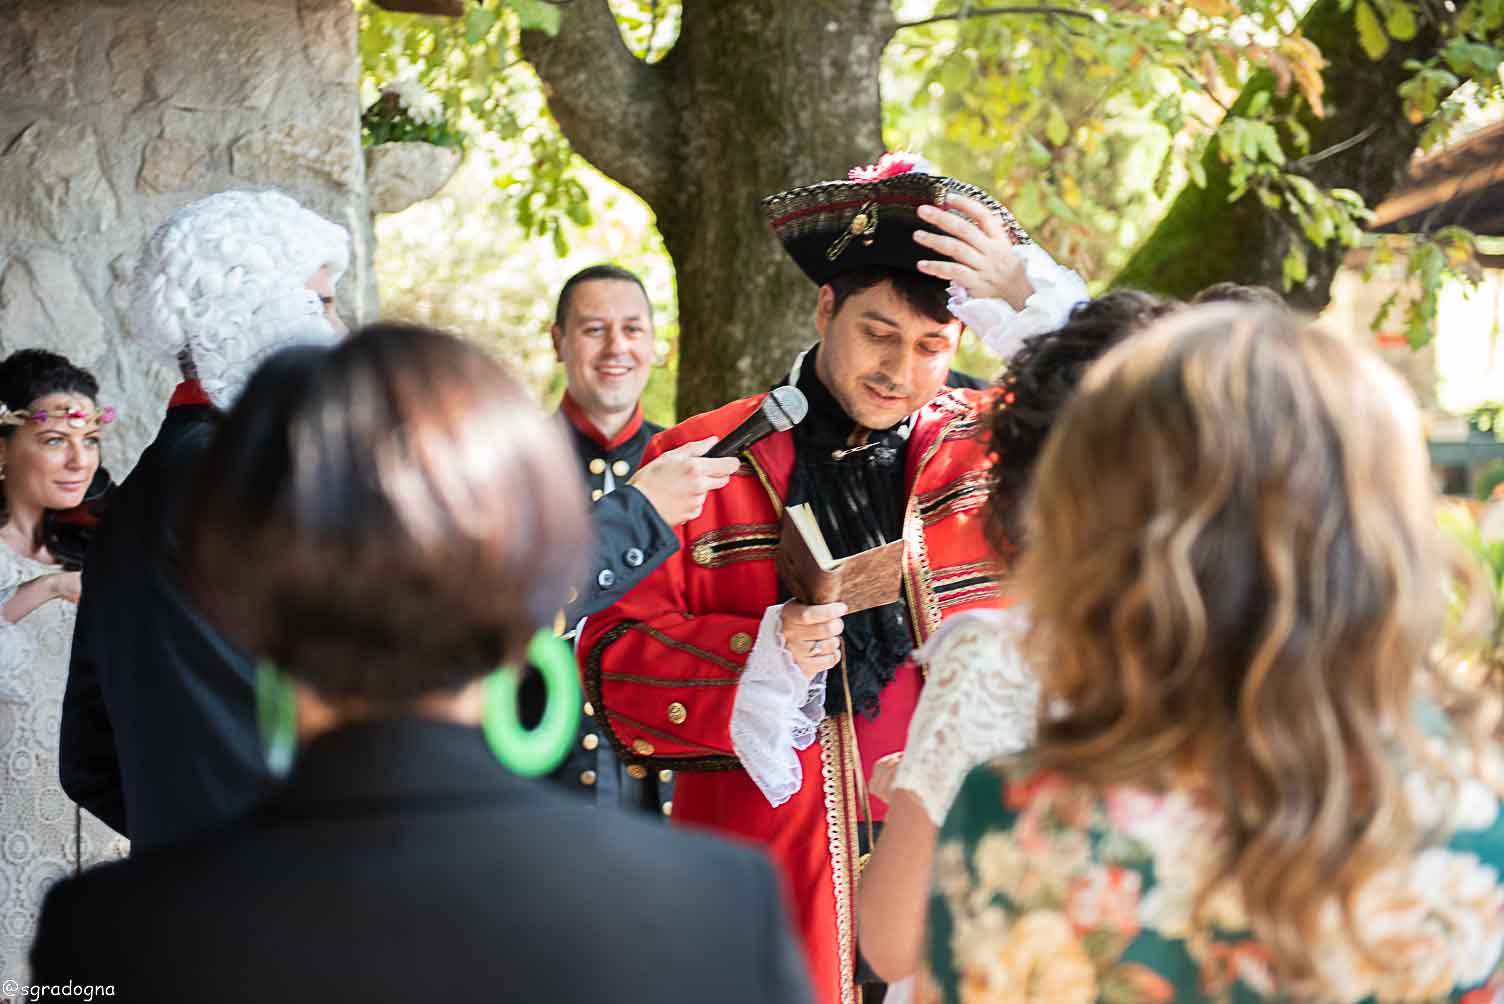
(775, 713)
(1057, 290)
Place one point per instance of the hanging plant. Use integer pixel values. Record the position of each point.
(407, 112)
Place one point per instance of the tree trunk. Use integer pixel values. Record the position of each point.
(1203, 239)
(755, 97)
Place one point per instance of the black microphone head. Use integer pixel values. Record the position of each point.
(785, 407)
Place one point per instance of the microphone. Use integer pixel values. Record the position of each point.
(781, 410)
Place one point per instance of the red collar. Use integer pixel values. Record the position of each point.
(581, 421)
(187, 393)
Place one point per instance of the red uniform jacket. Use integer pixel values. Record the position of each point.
(661, 666)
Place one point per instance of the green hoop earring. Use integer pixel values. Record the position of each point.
(535, 752)
(276, 717)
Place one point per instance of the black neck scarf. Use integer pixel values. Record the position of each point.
(857, 497)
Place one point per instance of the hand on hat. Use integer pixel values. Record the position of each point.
(980, 248)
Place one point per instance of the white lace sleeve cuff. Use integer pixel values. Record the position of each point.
(775, 713)
(1057, 290)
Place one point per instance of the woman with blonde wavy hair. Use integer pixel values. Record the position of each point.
(1244, 785)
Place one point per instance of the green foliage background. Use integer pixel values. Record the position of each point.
(1084, 118)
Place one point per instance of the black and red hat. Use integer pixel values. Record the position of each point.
(868, 220)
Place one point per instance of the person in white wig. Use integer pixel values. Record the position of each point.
(159, 728)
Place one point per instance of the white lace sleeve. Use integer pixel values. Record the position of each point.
(775, 713)
(17, 648)
(1057, 290)
(979, 702)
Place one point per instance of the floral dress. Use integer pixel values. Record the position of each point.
(38, 843)
(1049, 891)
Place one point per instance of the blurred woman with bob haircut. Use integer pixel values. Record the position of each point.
(1248, 783)
(388, 522)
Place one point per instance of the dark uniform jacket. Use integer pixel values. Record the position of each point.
(631, 541)
(401, 861)
(159, 721)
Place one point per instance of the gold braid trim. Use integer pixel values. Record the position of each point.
(838, 833)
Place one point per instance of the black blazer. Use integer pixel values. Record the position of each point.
(159, 721)
(401, 861)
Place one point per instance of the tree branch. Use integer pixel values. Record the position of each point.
(983, 11)
(613, 108)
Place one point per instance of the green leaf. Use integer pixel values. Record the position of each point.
(1370, 32)
(1197, 171)
(1384, 310)
(1401, 22)
(1294, 265)
(1056, 130)
(537, 15)
(478, 23)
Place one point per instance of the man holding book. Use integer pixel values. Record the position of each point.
(709, 667)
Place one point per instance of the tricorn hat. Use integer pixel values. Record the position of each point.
(868, 221)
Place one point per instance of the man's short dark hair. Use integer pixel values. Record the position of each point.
(614, 273)
(924, 294)
(389, 518)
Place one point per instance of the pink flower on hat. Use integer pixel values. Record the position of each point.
(891, 164)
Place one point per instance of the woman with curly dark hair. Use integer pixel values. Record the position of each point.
(979, 698)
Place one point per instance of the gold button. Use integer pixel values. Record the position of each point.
(677, 713)
(665, 776)
(702, 554)
(597, 466)
(587, 777)
(741, 643)
(620, 468)
(589, 710)
(595, 495)
(858, 223)
(574, 594)
(591, 741)
(642, 747)
(668, 808)
(637, 772)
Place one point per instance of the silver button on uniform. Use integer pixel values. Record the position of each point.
(633, 557)
(606, 579)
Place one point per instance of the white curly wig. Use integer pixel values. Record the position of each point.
(225, 278)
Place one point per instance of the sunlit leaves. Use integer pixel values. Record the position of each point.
(1305, 64)
(537, 15)
(1370, 31)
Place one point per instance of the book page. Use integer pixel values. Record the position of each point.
(809, 528)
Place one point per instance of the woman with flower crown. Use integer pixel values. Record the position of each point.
(50, 427)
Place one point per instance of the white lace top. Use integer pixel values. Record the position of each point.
(37, 841)
(979, 702)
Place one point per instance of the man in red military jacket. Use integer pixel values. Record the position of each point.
(707, 667)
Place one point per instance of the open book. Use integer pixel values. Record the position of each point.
(861, 581)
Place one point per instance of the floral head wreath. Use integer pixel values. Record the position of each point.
(77, 418)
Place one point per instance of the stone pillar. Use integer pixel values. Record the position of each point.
(115, 112)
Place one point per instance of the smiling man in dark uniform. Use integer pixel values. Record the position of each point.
(603, 336)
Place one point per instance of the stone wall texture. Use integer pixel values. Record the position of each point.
(115, 112)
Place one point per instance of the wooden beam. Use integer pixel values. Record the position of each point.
(442, 8)
(1444, 189)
